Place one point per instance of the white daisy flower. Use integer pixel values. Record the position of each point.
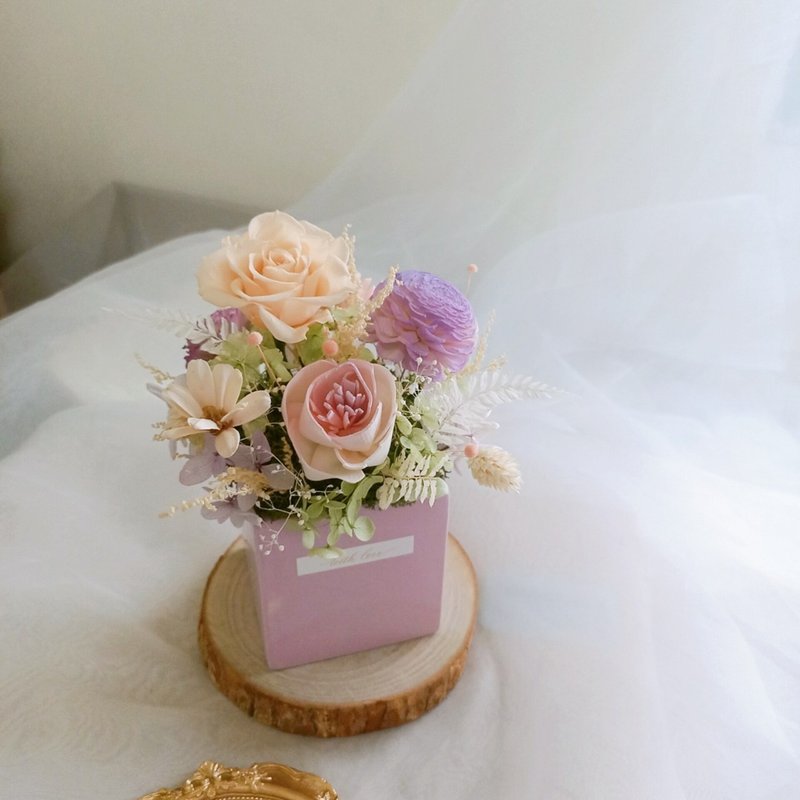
(207, 400)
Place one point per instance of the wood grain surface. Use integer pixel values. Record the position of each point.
(343, 696)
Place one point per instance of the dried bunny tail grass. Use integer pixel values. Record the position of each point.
(495, 468)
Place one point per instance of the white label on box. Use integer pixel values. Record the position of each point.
(360, 554)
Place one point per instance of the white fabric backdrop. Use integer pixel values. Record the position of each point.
(626, 177)
(119, 221)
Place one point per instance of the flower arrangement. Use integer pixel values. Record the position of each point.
(309, 395)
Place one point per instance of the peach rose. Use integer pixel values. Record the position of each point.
(285, 274)
(340, 417)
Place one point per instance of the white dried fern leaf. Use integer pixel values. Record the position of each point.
(410, 490)
(177, 322)
(206, 330)
(198, 331)
(461, 406)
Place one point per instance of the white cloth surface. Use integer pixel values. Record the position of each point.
(626, 176)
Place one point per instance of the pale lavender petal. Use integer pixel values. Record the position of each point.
(221, 511)
(245, 502)
(196, 470)
(243, 458)
(261, 448)
(278, 476)
(229, 511)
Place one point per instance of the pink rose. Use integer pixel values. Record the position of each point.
(340, 417)
(285, 274)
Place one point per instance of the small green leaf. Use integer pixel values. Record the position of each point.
(257, 425)
(358, 495)
(308, 538)
(327, 552)
(333, 537)
(275, 359)
(310, 349)
(408, 444)
(364, 529)
(403, 425)
(315, 510)
(422, 440)
(346, 526)
(352, 510)
(335, 521)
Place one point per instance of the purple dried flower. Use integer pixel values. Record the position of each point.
(203, 464)
(255, 455)
(194, 351)
(425, 324)
(238, 510)
(236, 321)
(259, 458)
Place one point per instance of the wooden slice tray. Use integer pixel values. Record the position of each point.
(342, 696)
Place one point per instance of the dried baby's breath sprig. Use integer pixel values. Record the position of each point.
(233, 482)
(159, 376)
(375, 302)
(350, 241)
(215, 495)
(244, 481)
(496, 364)
(480, 352)
(286, 453)
(350, 332)
(186, 505)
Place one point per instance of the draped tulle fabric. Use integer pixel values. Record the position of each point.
(626, 177)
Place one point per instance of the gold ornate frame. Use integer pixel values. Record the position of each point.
(260, 781)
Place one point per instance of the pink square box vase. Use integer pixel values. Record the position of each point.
(380, 592)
